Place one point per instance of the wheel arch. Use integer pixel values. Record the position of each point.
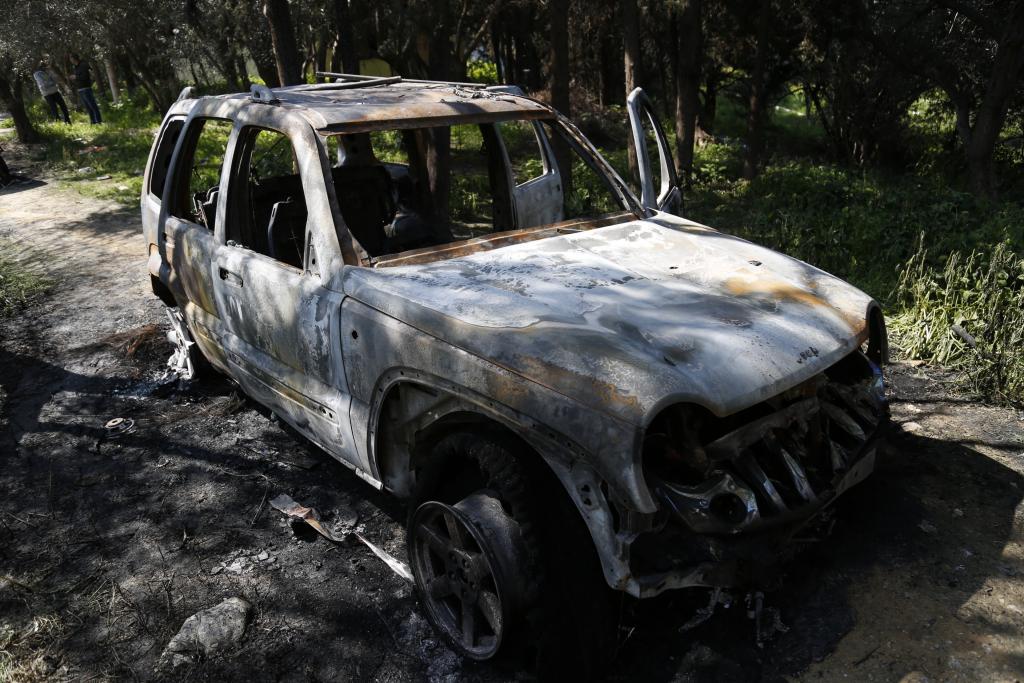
(415, 410)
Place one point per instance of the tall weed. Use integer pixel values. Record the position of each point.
(967, 315)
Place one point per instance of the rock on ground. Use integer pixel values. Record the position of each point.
(209, 631)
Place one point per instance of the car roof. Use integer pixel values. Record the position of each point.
(389, 103)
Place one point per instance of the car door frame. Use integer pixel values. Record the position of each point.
(186, 248)
(313, 397)
(667, 197)
(545, 192)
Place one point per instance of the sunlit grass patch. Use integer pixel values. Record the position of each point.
(18, 286)
(25, 654)
(967, 314)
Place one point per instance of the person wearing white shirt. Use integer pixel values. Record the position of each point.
(48, 89)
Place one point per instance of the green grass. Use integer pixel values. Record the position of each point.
(84, 155)
(860, 225)
(966, 314)
(18, 285)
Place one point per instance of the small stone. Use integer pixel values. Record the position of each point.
(263, 556)
(927, 527)
(957, 512)
(911, 427)
(217, 570)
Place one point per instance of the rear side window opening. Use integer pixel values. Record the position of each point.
(400, 190)
(267, 210)
(162, 158)
(197, 173)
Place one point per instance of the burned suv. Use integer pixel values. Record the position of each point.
(447, 288)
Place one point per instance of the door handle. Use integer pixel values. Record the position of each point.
(231, 278)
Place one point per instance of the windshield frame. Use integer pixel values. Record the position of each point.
(581, 146)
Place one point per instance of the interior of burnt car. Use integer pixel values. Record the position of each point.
(268, 201)
(197, 188)
(400, 190)
(267, 211)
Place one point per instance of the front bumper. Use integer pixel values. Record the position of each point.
(767, 482)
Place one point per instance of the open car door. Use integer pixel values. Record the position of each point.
(659, 187)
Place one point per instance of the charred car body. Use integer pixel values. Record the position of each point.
(691, 399)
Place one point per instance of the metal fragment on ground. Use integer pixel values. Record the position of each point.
(284, 503)
(119, 426)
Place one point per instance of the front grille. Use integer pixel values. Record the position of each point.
(772, 460)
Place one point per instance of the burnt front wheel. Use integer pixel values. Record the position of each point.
(468, 564)
(504, 565)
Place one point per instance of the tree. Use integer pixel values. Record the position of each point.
(345, 58)
(559, 64)
(282, 38)
(973, 51)
(631, 63)
(12, 100)
(689, 48)
(756, 113)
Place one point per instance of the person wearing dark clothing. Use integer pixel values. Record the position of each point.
(83, 82)
(48, 89)
(5, 173)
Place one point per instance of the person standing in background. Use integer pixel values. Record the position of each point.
(83, 82)
(5, 173)
(48, 89)
(372, 64)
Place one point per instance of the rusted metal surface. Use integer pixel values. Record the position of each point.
(576, 336)
(632, 317)
(494, 241)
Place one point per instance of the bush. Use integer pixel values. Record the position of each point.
(967, 315)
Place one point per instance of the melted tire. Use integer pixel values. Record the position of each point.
(567, 627)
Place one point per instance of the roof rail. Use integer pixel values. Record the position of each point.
(262, 94)
(344, 77)
(362, 78)
(345, 85)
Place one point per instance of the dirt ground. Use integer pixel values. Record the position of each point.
(108, 543)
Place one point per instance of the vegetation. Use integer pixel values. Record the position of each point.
(102, 161)
(18, 284)
(967, 314)
(849, 134)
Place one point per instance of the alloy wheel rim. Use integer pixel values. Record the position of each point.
(459, 575)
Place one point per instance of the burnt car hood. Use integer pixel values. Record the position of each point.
(631, 317)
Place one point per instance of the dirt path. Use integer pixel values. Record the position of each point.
(107, 545)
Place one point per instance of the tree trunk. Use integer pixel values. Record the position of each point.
(706, 118)
(11, 98)
(991, 115)
(157, 96)
(282, 38)
(559, 64)
(437, 154)
(345, 57)
(689, 46)
(115, 90)
(756, 112)
(321, 64)
(243, 71)
(265, 65)
(124, 65)
(631, 61)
